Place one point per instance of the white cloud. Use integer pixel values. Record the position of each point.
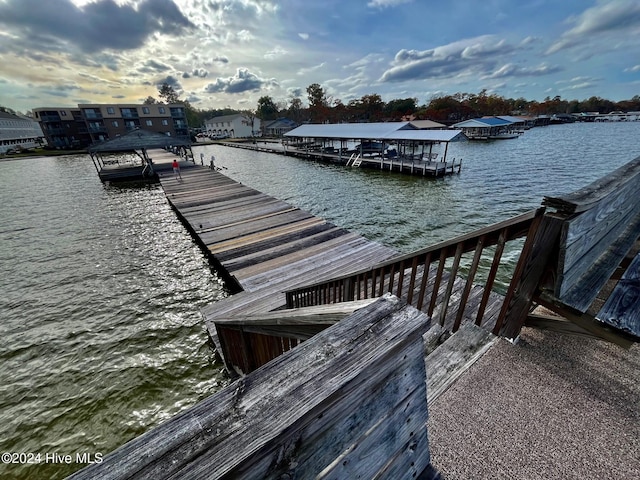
(620, 17)
(386, 3)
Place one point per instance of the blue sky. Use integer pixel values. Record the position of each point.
(219, 53)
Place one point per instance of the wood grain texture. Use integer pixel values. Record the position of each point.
(350, 401)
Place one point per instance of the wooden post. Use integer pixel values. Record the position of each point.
(539, 247)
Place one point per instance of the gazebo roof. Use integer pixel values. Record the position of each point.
(138, 139)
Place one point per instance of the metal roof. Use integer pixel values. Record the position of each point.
(428, 135)
(482, 122)
(375, 131)
(137, 139)
(349, 131)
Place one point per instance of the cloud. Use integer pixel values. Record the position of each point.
(93, 27)
(276, 52)
(242, 81)
(465, 57)
(153, 66)
(197, 72)
(304, 36)
(511, 70)
(619, 17)
(305, 71)
(635, 68)
(171, 81)
(386, 3)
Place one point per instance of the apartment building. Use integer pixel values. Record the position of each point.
(102, 122)
(63, 127)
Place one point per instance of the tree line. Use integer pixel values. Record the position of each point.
(322, 107)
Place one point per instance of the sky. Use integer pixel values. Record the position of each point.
(229, 53)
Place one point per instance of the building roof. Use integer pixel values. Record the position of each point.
(425, 124)
(510, 118)
(136, 140)
(226, 118)
(483, 122)
(374, 131)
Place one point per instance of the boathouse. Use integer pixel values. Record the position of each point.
(387, 145)
(126, 158)
(487, 128)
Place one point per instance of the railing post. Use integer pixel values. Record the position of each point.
(539, 248)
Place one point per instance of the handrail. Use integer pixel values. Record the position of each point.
(412, 275)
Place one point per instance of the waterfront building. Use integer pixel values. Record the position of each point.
(277, 128)
(92, 123)
(107, 121)
(18, 132)
(63, 127)
(237, 125)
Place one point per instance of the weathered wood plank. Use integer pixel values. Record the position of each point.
(584, 198)
(580, 292)
(454, 357)
(622, 308)
(216, 246)
(300, 412)
(575, 260)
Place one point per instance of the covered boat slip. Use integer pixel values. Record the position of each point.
(399, 146)
(138, 155)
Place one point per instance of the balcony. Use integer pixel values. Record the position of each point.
(92, 114)
(49, 118)
(97, 129)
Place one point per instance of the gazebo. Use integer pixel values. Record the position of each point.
(126, 157)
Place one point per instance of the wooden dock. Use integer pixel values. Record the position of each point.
(263, 246)
(352, 400)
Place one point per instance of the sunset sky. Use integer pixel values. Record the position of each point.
(229, 53)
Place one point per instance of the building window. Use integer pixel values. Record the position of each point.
(110, 110)
(115, 123)
(145, 110)
(149, 123)
(165, 121)
(161, 109)
(63, 113)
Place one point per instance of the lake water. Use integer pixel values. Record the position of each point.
(102, 285)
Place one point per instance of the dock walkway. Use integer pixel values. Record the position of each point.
(263, 245)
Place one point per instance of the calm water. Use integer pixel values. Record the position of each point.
(102, 286)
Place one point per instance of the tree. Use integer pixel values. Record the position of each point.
(267, 109)
(317, 96)
(167, 93)
(396, 109)
(295, 109)
(318, 103)
(149, 100)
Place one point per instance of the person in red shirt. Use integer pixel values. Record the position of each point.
(176, 169)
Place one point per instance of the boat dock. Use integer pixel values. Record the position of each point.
(137, 156)
(351, 401)
(393, 146)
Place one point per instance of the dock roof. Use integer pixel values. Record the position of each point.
(483, 122)
(374, 131)
(136, 140)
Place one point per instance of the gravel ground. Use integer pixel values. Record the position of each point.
(552, 406)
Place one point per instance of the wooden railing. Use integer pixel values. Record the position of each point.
(428, 278)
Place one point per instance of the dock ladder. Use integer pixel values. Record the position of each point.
(355, 159)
